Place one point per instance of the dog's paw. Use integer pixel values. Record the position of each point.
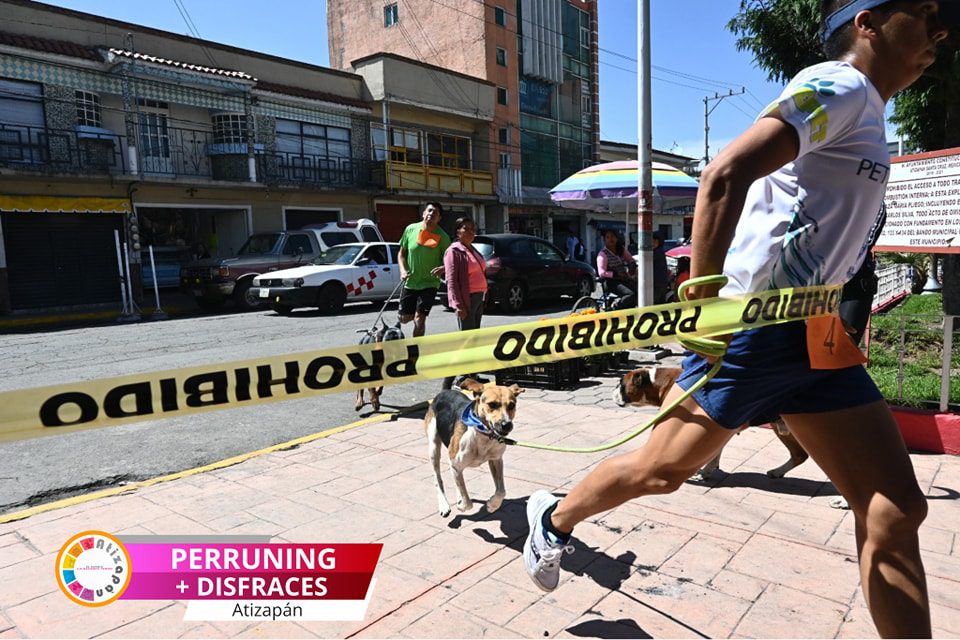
(444, 512)
(375, 404)
(494, 502)
(465, 505)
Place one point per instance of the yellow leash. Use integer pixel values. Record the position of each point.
(705, 346)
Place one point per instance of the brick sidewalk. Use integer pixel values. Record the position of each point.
(740, 556)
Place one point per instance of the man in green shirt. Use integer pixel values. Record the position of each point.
(422, 246)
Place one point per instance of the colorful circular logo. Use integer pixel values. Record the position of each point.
(93, 568)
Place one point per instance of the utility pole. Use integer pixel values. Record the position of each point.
(644, 159)
(706, 118)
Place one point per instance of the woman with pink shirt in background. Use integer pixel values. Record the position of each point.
(615, 266)
(465, 271)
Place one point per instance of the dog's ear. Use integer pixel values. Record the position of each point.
(471, 385)
(516, 389)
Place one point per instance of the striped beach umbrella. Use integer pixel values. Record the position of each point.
(595, 187)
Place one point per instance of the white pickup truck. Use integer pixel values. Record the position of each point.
(356, 272)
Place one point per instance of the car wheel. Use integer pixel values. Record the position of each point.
(515, 297)
(244, 297)
(210, 304)
(584, 288)
(282, 309)
(331, 298)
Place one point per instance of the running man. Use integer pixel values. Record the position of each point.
(790, 203)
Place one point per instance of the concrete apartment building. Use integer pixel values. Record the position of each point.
(541, 58)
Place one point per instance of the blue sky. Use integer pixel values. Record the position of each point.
(692, 53)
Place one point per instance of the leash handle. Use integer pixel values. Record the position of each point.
(704, 346)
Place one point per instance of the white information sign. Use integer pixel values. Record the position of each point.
(923, 204)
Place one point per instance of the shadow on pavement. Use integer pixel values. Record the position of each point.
(755, 480)
(622, 628)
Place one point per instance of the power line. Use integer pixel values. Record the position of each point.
(192, 28)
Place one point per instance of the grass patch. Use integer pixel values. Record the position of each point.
(913, 329)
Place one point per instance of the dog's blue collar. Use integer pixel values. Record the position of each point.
(470, 418)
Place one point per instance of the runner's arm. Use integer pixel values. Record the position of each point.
(759, 151)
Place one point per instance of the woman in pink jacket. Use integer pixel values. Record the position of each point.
(465, 271)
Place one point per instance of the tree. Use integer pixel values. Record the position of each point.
(783, 36)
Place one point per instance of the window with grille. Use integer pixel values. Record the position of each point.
(391, 15)
(230, 128)
(88, 109)
(500, 16)
(402, 145)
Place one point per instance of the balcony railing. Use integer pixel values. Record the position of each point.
(60, 150)
(423, 177)
(173, 152)
(300, 168)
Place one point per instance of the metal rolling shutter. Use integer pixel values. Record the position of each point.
(61, 259)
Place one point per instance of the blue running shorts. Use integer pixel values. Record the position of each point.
(766, 371)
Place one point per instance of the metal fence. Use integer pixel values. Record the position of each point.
(61, 150)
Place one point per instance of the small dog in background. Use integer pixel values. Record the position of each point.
(649, 387)
(370, 336)
(472, 429)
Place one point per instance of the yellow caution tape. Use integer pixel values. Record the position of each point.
(65, 408)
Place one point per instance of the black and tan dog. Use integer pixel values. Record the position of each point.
(649, 387)
(371, 336)
(472, 431)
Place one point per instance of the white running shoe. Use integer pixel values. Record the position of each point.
(541, 556)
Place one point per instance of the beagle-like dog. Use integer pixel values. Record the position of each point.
(471, 429)
(649, 387)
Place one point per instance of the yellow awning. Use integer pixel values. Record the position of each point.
(64, 204)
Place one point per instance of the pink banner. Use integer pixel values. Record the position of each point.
(223, 571)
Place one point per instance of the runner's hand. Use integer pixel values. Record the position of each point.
(703, 292)
(462, 314)
(437, 272)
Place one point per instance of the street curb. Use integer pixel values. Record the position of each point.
(213, 466)
(75, 318)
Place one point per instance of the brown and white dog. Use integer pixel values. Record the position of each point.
(649, 387)
(471, 429)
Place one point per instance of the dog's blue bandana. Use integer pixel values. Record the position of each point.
(470, 418)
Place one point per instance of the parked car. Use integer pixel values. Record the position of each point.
(213, 281)
(521, 268)
(356, 272)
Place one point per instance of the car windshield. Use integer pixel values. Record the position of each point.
(485, 248)
(342, 254)
(259, 243)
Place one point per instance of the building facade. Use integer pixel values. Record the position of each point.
(115, 138)
(542, 58)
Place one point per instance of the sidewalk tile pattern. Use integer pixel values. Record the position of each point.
(738, 555)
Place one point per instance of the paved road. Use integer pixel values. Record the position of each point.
(45, 469)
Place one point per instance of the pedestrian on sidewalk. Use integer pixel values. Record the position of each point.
(465, 272)
(791, 203)
(422, 246)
